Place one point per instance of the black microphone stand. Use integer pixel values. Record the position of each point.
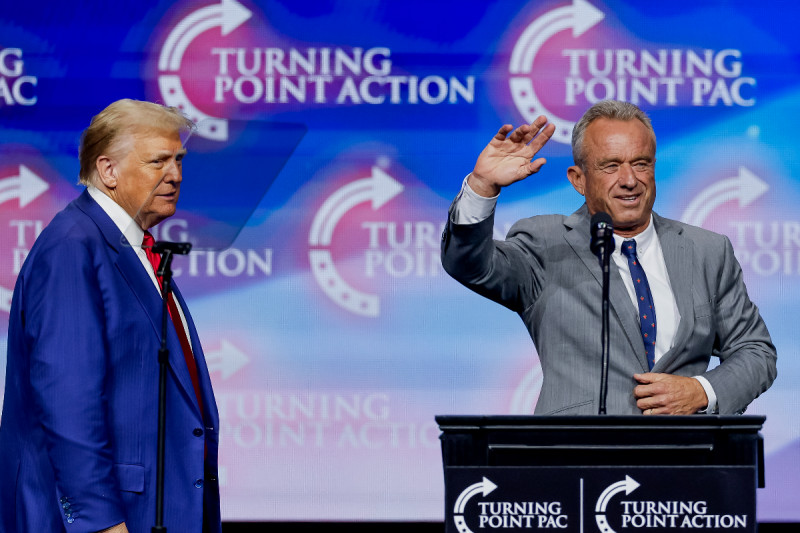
(167, 251)
(604, 264)
(601, 241)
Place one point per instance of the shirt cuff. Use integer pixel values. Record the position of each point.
(711, 408)
(470, 207)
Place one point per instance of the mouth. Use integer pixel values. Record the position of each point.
(169, 196)
(629, 199)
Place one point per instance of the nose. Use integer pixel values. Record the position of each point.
(626, 176)
(173, 173)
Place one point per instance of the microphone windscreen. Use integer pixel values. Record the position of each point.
(600, 230)
(599, 218)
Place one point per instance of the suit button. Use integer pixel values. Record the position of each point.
(70, 519)
(65, 505)
(197, 432)
(198, 483)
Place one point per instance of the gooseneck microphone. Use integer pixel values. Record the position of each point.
(602, 244)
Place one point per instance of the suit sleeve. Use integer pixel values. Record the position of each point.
(743, 344)
(508, 272)
(64, 318)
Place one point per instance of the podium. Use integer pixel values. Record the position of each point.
(601, 474)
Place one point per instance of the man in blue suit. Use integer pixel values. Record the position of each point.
(78, 438)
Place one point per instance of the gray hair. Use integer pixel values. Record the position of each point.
(610, 109)
(114, 123)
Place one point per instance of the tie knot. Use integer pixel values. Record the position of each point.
(148, 241)
(629, 248)
(155, 260)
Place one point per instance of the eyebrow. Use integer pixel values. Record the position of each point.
(641, 157)
(166, 154)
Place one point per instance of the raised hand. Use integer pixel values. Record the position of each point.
(507, 158)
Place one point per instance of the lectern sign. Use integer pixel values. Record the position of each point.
(598, 500)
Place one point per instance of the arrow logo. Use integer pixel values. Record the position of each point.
(580, 17)
(377, 189)
(484, 487)
(746, 188)
(26, 186)
(627, 486)
(227, 359)
(228, 15)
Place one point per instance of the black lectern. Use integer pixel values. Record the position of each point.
(601, 474)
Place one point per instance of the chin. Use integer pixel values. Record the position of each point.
(157, 218)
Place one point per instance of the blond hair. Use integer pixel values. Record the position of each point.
(109, 128)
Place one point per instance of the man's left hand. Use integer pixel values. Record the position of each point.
(667, 394)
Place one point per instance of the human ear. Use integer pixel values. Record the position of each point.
(107, 171)
(577, 178)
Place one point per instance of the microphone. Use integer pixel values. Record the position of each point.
(602, 230)
(176, 248)
(169, 250)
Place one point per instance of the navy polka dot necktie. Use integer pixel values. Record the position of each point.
(644, 298)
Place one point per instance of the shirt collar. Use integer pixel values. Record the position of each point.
(643, 240)
(124, 222)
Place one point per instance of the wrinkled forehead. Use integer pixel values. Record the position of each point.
(606, 136)
(151, 139)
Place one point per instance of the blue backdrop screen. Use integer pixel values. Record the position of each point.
(332, 137)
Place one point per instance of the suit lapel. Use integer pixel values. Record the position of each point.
(679, 260)
(210, 415)
(620, 303)
(142, 288)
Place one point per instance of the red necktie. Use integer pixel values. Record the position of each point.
(155, 261)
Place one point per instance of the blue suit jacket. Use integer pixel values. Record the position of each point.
(78, 435)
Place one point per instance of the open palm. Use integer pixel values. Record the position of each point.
(508, 158)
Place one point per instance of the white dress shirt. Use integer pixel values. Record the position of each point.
(135, 235)
(471, 208)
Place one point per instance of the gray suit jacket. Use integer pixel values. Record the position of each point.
(545, 272)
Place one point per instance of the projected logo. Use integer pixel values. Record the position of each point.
(376, 189)
(16, 87)
(737, 206)
(227, 359)
(227, 16)
(214, 77)
(19, 186)
(559, 76)
(743, 188)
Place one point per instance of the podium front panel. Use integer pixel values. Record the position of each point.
(601, 474)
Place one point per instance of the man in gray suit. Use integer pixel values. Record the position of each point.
(546, 272)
